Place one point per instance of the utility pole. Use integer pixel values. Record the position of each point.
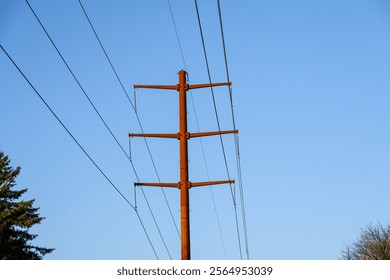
(183, 136)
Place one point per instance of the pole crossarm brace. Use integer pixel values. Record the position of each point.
(209, 85)
(177, 135)
(175, 87)
(187, 86)
(169, 185)
(190, 184)
(211, 133)
(157, 135)
(209, 183)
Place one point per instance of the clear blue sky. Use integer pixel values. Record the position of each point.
(311, 96)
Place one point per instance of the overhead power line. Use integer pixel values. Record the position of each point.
(133, 106)
(97, 112)
(81, 147)
(211, 88)
(236, 139)
(134, 109)
(75, 78)
(177, 34)
(219, 127)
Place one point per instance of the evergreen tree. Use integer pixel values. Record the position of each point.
(16, 218)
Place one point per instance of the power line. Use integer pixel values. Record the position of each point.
(211, 88)
(132, 106)
(236, 139)
(93, 106)
(75, 78)
(177, 34)
(79, 145)
(198, 128)
(218, 123)
(105, 53)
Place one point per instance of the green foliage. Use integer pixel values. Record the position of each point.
(373, 244)
(16, 218)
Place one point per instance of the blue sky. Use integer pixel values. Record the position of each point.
(311, 96)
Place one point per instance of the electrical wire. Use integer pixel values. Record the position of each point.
(236, 139)
(218, 123)
(75, 78)
(134, 109)
(198, 128)
(211, 89)
(95, 109)
(177, 34)
(81, 147)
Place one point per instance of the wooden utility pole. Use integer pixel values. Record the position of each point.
(183, 135)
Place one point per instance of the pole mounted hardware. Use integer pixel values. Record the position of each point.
(183, 136)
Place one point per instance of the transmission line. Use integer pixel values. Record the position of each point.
(96, 110)
(81, 147)
(236, 139)
(218, 123)
(177, 35)
(75, 78)
(211, 88)
(134, 109)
